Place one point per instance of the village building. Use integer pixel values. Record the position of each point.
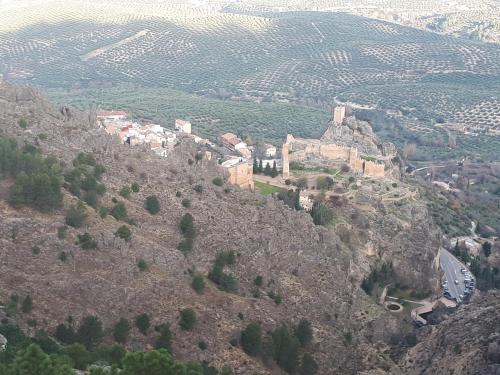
(230, 140)
(305, 202)
(112, 115)
(240, 172)
(183, 126)
(270, 151)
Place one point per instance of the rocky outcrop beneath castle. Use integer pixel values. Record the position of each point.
(353, 133)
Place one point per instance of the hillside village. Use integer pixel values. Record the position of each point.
(347, 145)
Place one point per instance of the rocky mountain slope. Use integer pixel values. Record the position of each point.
(316, 270)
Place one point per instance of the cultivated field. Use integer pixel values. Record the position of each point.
(213, 50)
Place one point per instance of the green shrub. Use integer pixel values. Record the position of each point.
(143, 266)
(27, 305)
(198, 284)
(61, 232)
(85, 158)
(23, 123)
(91, 199)
(187, 227)
(99, 170)
(142, 322)
(198, 188)
(103, 212)
(258, 281)
(178, 194)
(186, 245)
(321, 214)
(251, 339)
(218, 181)
(187, 319)
(86, 241)
(121, 331)
(42, 136)
(202, 345)
(152, 204)
(76, 215)
(90, 331)
(304, 332)
(35, 250)
(135, 187)
(164, 341)
(63, 256)
(119, 211)
(186, 203)
(309, 365)
(125, 192)
(124, 233)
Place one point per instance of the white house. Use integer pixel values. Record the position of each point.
(270, 151)
(183, 126)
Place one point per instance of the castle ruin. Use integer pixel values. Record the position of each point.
(346, 140)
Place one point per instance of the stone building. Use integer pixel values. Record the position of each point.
(240, 173)
(183, 126)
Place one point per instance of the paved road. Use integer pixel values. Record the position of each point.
(451, 267)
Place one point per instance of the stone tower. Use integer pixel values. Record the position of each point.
(339, 115)
(285, 161)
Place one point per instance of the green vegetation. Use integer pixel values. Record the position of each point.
(23, 123)
(124, 233)
(121, 331)
(152, 204)
(304, 332)
(224, 281)
(37, 179)
(187, 319)
(186, 203)
(135, 187)
(218, 181)
(267, 189)
(86, 241)
(321, 214)
(198, 284)
(251, 339)
(164, 341)
(42, 355)
(290, 198)
(76, 215)
(125, 192)
(301, 167)
(27, 305)
(187, 227)
(142, 265)
(378, 275)
(186, 245)
(119, 211)
(142, 322)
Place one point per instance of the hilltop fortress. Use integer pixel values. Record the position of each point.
(345, 141)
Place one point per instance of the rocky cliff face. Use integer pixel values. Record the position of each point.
(466, 342)
(316, 270)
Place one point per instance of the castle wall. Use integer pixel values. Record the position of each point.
(313, 148)
(241, 175)
(374, 169)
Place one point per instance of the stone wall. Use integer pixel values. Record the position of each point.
(307, 149)
(241, 175)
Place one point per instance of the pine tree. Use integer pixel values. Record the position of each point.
(260, 166)
(267, 170)
(274, 171)
(255, 166)
(121, 331)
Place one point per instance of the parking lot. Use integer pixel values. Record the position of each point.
(458, 283)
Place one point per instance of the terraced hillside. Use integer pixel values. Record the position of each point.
(305, 58)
